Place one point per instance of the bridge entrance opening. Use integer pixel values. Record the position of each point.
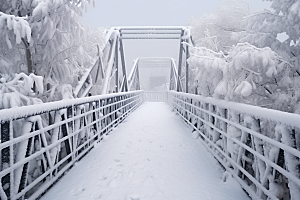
(154, 73)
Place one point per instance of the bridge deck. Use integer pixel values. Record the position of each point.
(151, 155)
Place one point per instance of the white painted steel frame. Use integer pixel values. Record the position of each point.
(93, 117)
(195, 109)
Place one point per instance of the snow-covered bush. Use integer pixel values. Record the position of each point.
(248, 74)
(21, 90)
(206, 66)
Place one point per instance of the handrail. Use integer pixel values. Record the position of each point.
(257, 146)
(40, 142)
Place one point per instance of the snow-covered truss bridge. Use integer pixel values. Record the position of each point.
(152, 155)
(109, 74)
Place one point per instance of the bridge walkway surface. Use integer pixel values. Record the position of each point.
(150, 156)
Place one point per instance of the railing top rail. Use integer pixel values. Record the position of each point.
(150, 38)
(150, 27)
(25, 111)
(289, 119)
(151, 33)
(155, 58)
(154, 92)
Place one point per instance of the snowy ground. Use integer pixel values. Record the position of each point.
(150, 156)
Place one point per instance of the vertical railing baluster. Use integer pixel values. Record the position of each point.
(29, 151)
(65, 133)
(6, 158)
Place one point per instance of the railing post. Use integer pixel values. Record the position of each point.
(187, 55)
(117, 65)
(138, 78)
(6, 158)
(179, 88)
(29, 150)
(125, 85)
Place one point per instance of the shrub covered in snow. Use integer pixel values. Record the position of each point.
(248, 74)
(21, 90)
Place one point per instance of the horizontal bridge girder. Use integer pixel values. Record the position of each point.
(151, 28)
(151, 33)
(150, 38)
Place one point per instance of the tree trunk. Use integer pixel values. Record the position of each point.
(28, 56)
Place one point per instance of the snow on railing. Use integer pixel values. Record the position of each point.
(259, 147)
(40, 142)
(152, 96)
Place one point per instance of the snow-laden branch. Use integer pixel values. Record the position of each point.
(265, 12)
(18, 25)
(205, 49)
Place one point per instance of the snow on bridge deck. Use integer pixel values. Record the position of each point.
(150, 156)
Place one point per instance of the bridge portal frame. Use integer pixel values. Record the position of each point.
(114, 39)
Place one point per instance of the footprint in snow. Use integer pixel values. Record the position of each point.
(97, 196)
(117, 160)
(136, 167)
(77, 191)
(133, 197)
(113, 183)
(102, 178)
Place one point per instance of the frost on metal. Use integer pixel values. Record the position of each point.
(259, 147)
(40, 142)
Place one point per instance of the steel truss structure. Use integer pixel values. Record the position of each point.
(264, 161)
(54, 136)
(112, 66)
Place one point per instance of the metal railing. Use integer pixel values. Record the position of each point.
(152, 96)
(259, 147)
(40, 142)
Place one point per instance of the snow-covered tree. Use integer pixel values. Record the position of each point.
(14, 30)
(213, 31)
(262, 28)
(44, 37)
(258, 61)
(94, 37)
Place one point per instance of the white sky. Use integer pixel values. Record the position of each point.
(152, 13)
